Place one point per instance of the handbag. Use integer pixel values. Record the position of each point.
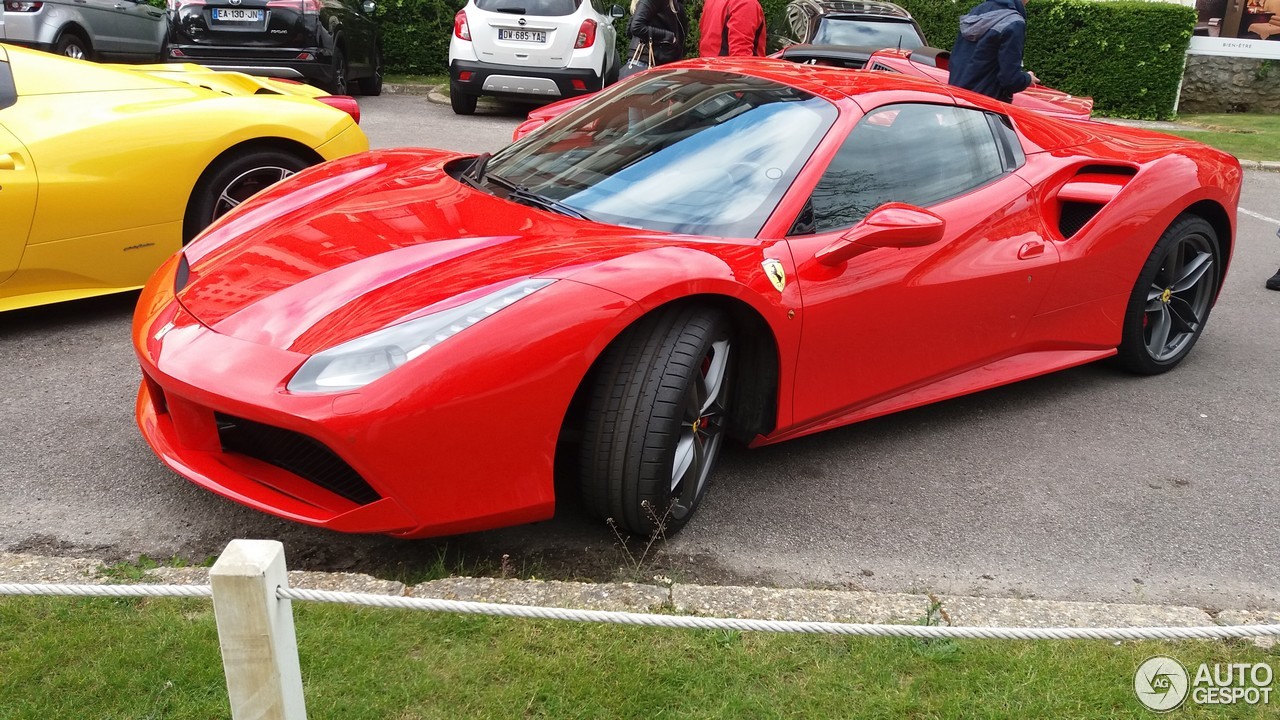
(637, 63)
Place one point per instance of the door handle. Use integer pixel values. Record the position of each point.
(7, 163)
(1031, 249)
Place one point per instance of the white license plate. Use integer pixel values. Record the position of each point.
(538, 36)
(237, 15)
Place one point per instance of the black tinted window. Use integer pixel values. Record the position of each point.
(551, 8)
(867, 33)
(917, 154)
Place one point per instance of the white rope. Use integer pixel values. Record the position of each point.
(779, 626)
(1213, 632)
(108, 590)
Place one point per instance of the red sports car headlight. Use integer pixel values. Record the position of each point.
(356, 363)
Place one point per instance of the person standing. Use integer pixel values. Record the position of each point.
(731, 27)
(987, 57)
(661, 24)
(1273, 282)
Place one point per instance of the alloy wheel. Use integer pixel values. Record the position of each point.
(1179, 298)
(702, 429)
(246, 185)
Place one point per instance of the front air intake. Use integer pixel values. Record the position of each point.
(303, 456)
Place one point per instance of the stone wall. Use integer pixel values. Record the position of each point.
(1230, 84)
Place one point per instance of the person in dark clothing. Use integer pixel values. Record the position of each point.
(731, 27)
(987, 57)
(660, 22)
(1273, 282)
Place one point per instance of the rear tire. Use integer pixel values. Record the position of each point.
(234, 179)
(461, 102)
(372, 85)
(1172, 298)
(656, 420)
(339, 85)
(74, 46)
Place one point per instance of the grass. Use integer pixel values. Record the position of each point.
(1248, 136)
(62, 658)
(127, 571)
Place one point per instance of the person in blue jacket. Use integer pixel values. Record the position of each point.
(987, 57)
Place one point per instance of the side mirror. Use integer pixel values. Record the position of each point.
(369, 6)
(896, 225)
(616, 12)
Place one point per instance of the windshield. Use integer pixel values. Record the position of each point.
(685, 151)
(867, 33)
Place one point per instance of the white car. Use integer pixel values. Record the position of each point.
(531, 50)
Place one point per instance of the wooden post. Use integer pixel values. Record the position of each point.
(255, 630)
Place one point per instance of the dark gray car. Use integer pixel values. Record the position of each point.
(86, 29)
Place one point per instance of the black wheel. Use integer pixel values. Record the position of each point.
(232, 180)
(339, 85)
(1171, 301)
(73, 46)
(656, 419)
(462, 103)
(372, 85)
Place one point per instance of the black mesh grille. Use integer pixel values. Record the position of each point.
(295, 452)
(1074, 216)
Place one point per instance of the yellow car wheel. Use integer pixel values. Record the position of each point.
(232, 180)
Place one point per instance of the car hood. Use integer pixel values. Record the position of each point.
(355, 245)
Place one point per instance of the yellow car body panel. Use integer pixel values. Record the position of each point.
(105, 160)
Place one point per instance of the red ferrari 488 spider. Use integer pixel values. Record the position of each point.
(403, 341)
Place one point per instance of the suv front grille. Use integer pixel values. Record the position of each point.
(301, 455)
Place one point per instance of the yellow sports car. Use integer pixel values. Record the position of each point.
(106, 170)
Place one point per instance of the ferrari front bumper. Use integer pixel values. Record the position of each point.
(463, 445)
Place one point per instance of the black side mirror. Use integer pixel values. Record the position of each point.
(616, 12)
(369, 6)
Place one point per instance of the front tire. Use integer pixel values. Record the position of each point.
(232, 180)
(1171, 301)
(656, 419)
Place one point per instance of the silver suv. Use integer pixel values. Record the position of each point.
(86, 29)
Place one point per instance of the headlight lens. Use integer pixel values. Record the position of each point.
(358, 362)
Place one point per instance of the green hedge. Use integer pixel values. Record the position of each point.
(1126, 54)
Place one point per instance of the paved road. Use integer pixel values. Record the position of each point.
(1089, 484)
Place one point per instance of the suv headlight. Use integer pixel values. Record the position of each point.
(356, 363)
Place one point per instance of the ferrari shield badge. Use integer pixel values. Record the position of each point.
(776, 274)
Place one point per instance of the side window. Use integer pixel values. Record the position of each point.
(912, 153)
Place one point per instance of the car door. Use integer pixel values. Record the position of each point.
(17, 197)
(359, 30)
(104, 23)
(142, 27)
(893, 319)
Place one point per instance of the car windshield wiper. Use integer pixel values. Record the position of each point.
(474, 174)
(521, 194)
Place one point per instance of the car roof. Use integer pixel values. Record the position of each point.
(864, 8)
